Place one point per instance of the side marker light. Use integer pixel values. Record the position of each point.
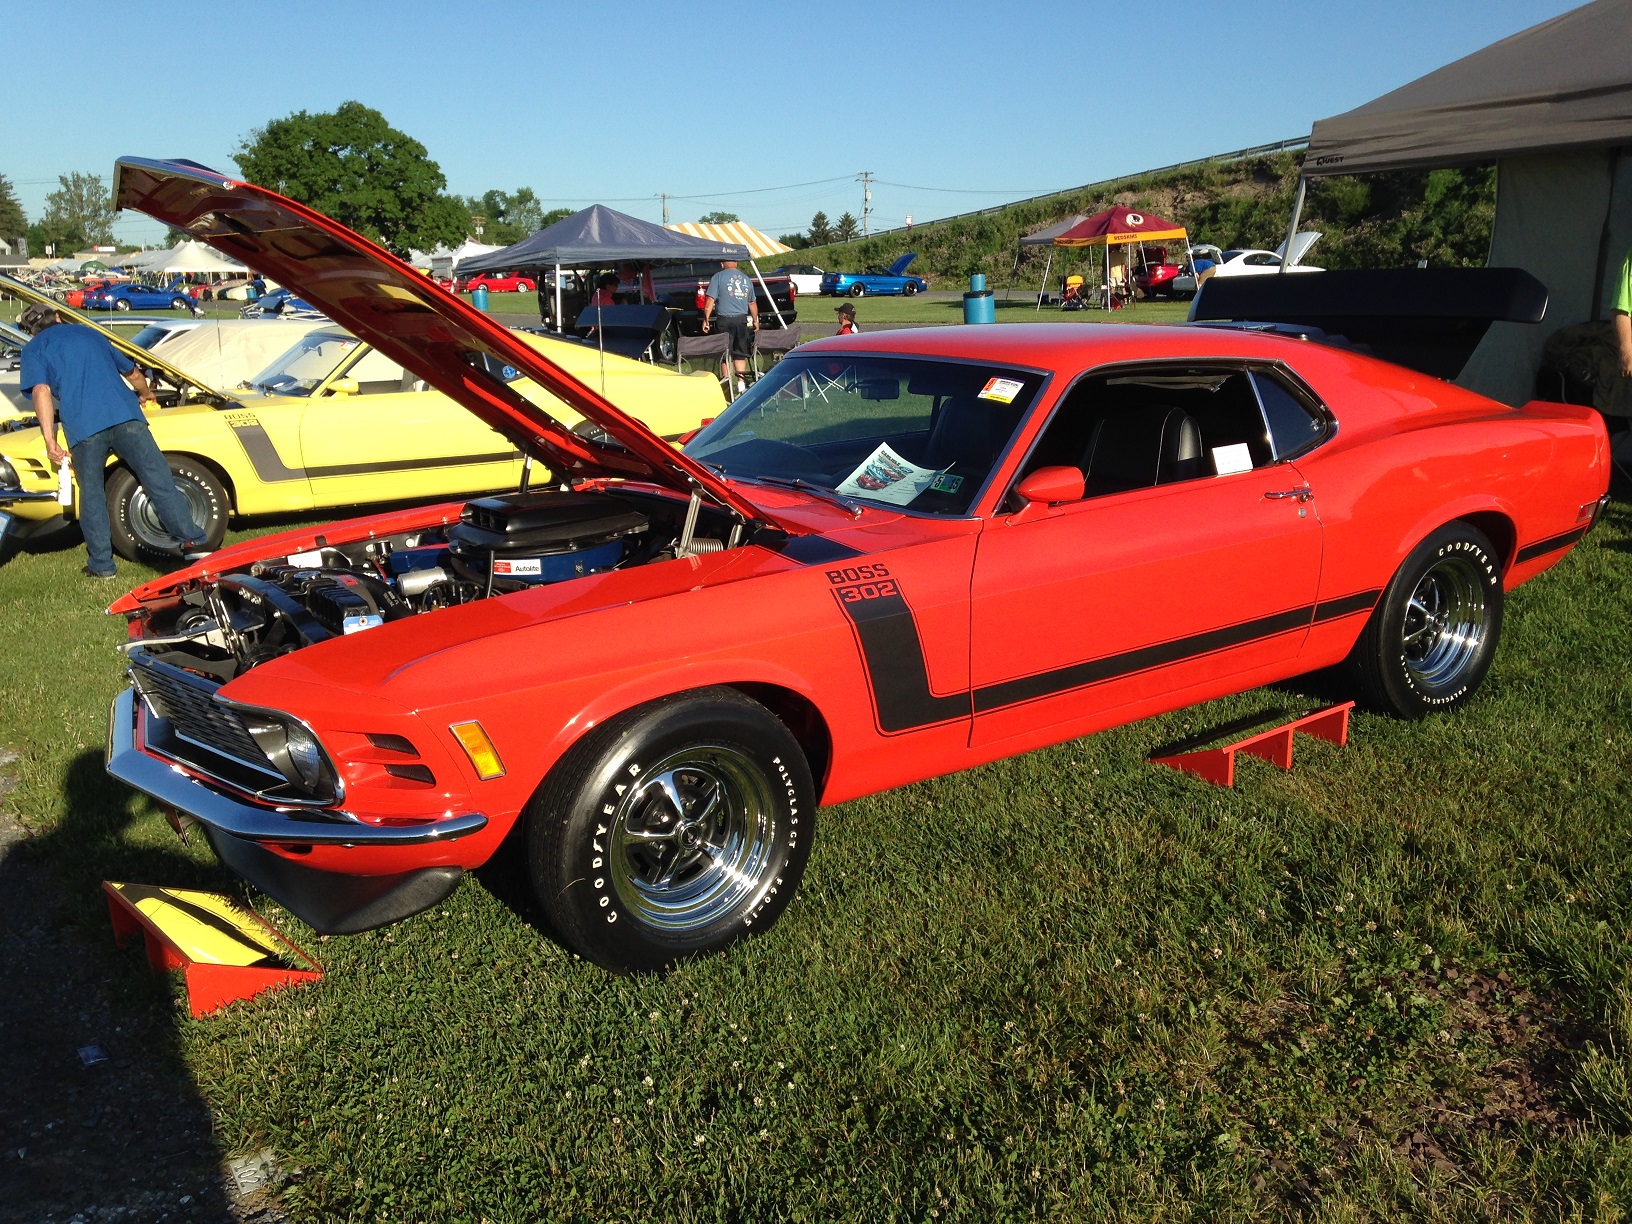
(483, 756)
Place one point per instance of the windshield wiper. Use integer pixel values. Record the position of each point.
(805, 486)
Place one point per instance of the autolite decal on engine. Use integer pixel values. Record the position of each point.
(529, 566)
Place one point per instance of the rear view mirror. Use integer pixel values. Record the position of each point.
(879, 389)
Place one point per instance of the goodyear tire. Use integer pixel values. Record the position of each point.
(1432, 636)
(858, 290)
(137, 532)
(672, 831)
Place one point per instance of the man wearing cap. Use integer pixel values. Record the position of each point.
(75, 374)
(730, 294)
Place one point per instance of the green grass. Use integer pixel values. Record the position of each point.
(1391, 983)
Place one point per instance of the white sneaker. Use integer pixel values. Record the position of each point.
(741, 386)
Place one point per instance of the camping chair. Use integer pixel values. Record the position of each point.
(778, 341)
(716, 345)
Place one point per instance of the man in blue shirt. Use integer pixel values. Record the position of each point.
(74, 373)
(730, 295)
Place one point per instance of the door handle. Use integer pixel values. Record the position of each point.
(1303, 493)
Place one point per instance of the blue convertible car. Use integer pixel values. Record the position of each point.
(144, 297)
(875, 280)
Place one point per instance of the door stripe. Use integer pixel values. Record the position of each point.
(271, 469)
(892, 654)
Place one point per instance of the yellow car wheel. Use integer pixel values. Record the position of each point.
(137, 531)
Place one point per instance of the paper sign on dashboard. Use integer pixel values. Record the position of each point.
(885, 476)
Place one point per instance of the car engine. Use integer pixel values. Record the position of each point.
(500, 545)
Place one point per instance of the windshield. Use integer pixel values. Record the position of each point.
(304, 367)
(152, 334)
(915, 433)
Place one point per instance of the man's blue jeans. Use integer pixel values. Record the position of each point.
(131, 441)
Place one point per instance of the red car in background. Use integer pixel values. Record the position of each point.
(897, 555)
(499, 283)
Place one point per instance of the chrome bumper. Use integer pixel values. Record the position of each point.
(169, 784)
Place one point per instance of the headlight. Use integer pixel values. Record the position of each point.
(8, 476)
(293, 751)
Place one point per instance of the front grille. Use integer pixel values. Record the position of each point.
(188, 704)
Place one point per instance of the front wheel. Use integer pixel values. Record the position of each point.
(181, 303)
(858, 290)
(1433, 634)
(137, 530)
(672, 831)
(909, 289)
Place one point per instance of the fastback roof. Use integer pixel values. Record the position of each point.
(1566, 83)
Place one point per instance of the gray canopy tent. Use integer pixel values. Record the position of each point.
(1552, 107)
(601, 235)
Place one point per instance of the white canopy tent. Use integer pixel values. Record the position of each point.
(190, 258)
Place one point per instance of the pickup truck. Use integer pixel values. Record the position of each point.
(680, 287)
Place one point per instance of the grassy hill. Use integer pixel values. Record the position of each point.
(1380, 220)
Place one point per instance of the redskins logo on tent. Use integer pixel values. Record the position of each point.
(1135, 218)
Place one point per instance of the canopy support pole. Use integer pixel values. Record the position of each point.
(1047, 264)
(759, 276)
(1107, 276)
(559, 322)
(1292, 230)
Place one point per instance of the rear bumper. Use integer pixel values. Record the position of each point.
(242, 835)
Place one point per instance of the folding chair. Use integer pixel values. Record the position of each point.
(716, 345)
(777, 340)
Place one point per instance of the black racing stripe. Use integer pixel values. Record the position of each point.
(271, 469)
(1112, 667)
(894, 657)
(1551, 544)
(1348, 605)
(815, 550)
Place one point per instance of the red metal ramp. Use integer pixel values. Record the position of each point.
(225, 950)
(1217, 765)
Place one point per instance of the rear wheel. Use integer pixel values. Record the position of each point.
(121, 303)
(672, 831)
(137, 531)
(1433, 634)
(663, 347)
(858, 290)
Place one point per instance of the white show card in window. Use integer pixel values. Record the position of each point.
(1228, 460)
(885, 476)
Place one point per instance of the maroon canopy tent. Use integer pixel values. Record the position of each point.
(1113, 226)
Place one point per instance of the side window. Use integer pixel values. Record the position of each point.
(377, 374)
(1293, 424)
(1134, 429)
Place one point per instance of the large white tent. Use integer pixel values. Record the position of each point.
(185, 259)
(444, 259)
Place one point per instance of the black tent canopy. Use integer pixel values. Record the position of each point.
(1552, 106)
(598, 235)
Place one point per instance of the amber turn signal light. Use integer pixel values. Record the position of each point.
(483, 756)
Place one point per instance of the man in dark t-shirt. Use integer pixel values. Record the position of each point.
(75, 374)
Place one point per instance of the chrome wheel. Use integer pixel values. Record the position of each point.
(692, 842)
(1445, 620)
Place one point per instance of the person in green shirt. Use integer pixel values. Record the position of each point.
(1623, 315)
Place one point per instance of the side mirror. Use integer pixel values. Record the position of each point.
(1047, 486)
(343, 386)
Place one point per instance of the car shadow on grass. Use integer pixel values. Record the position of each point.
(102, 1119)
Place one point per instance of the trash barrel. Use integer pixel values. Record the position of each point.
(978, 306)
(478, 297)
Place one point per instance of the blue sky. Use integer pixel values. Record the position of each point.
(766, 110)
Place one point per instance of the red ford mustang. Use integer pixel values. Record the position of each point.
(500, 284)
(899, 555)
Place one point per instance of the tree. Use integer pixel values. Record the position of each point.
(820, 232)
(797, 241)
(13, 222)
(846, 229)
(80, 208)
(508, 216)
(355, 167)
(718, 218)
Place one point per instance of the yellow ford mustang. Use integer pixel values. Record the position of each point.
(330, 423)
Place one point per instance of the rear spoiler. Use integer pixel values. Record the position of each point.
(1427, 319)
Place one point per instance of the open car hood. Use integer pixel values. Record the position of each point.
(456, 348)
(142, 357)
(900, 266)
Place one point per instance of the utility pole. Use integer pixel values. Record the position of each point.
(664, 196)
(866, 180)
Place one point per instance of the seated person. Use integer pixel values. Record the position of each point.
(606, 290)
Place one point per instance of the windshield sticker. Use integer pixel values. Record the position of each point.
(946, 483)
(1003, 390)
(885, 476)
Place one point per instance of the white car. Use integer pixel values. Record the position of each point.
(806, 278)
(1245, 262)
